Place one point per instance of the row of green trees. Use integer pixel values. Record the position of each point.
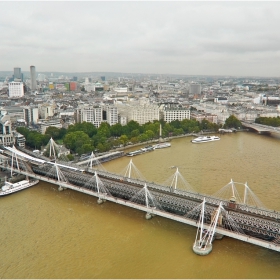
(275, 122)
(84, 137)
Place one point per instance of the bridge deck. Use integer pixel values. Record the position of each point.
(256, 223)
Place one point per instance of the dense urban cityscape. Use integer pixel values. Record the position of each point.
(38, 101)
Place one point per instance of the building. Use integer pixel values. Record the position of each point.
(16, 90)
(140, 114)
(195, 88)
(73, 86)
(204, 116)
(18, 76)
(44, 124)
(30, 114)
(46, 110)
(6, 135)
(89, 113)
(33, 78)
(172, 114)
(111, 115)
(19, 140)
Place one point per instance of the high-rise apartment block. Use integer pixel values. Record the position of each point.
(16, 90)
(33, 78)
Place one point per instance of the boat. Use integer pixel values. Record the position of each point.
(162, 145)
(134, 153)
(147, 149)
(204, 139)
(10, 188)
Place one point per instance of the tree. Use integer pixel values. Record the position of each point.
(135, 133)
(150, 134)
(75, 140)
(124, 139)
(116, 130)
(232, 122)
(53, 132)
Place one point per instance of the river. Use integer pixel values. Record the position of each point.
(45, 233)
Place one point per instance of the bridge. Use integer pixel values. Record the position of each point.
(260, 128)
(214, 216)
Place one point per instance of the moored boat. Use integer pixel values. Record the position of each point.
(10, 188)
(204, 139)
(162, 145)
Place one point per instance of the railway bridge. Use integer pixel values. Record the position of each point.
(214, 217)
(260, 128)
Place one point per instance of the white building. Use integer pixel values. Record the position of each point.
(46, 110)
(89, 113)
(143, 114)
(172, 114)
(30, 114)
(112, 115)
(16, 90)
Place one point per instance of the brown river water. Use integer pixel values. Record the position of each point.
(45, 233)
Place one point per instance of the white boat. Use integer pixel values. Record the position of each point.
(9, 188)
(204, 139)
(162, 145)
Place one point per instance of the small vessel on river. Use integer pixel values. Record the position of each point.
(204, 139)
(162, 145)
(10, 188)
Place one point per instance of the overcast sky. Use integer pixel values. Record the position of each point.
(189, 38)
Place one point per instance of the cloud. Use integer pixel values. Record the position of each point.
(188, 38)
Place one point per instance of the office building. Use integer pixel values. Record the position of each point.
(195, 88)
(30, 114)
(33, 78)
(18, 76)
(89, 113)
(111, 115)
(16, 90)
(172, 114)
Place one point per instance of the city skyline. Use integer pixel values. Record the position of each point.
(178, 38)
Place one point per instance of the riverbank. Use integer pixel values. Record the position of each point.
(168, 139)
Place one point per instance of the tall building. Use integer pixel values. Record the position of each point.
(195, 88)
(18, 76)
(33, 78)
(16, 90)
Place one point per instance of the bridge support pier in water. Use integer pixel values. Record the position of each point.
(60, 188)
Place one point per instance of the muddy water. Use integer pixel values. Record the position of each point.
(49, 234)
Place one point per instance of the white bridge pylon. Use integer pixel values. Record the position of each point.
(132, 171)
(93, 162)
(204, 238)
(55, 172)
(177, 181)
(145, 197)
(98, 186)
(230, 192)
(14, 155)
